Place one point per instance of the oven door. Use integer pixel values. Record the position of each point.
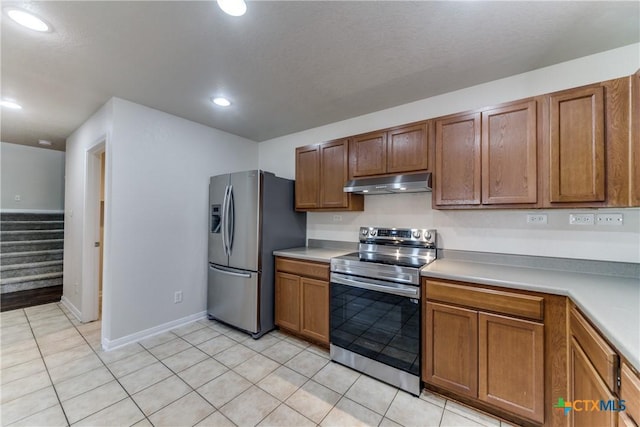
(377, 320)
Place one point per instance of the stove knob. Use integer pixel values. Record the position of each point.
(427, 235)
(373, 232)
(364, 232)
(416, 234)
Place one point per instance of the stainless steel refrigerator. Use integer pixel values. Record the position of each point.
(251, 214)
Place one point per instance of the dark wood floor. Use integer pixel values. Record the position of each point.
(23, 299)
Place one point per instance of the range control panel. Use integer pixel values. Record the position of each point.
(407, 236)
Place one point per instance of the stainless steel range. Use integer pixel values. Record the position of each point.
(375, 304)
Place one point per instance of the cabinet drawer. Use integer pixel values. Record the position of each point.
(303, 268)
(531, 307)
(603, 357)
(630, 392)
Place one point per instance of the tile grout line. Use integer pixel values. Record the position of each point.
(47, 370)
(107, 368)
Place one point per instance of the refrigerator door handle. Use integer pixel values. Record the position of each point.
(232, 215)
(231, 273)
(225, 200)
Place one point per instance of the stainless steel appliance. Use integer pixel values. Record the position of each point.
(251, 215)
(375, 304)
(412, 183)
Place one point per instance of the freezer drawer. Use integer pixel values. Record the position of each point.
(232, 297)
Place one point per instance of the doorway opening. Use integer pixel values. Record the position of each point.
(94, 235)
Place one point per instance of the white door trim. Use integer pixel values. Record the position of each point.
(91, 231)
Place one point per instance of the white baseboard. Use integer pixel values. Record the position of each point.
(72, 308)
(45, 211)
(147, 333)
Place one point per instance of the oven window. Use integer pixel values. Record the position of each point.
(380, 326)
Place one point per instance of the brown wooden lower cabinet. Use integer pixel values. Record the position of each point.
(511, 364)
(287, 296)
(314, 316)
(491, 358)
(586, 384)
(451, 348)
(624, 420)
(630, 392)
(302, 298)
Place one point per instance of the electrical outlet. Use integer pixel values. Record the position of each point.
(177, 297)
(581, 219)
(536, 218)
(337, 218)
(609, 219)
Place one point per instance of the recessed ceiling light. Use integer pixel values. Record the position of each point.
(27, 19)
(11, 104)
(223, 102)
(233, 7)
(44, 142)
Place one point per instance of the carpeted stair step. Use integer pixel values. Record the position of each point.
(30, 269)
(33, 245)
(27, 216)
(11, 258)
(24, 235)
(15, 284)
(31, 225)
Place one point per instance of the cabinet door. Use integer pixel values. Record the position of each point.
(334, 172)
(315, 309)
(511, 365)
(509, 151)
(625, 421)
(457, 170)
(630, 392)
(586, 384)
(451, 348)
(634, 170)
(577, 172)
(308, 177)
(287, 303)
(368, 154)
(407, 149)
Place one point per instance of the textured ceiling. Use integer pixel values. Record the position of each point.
(286, 66)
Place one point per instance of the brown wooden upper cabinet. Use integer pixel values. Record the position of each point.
(634, 179)
(577, 141)
(391, 151)
(509, 153)
(591, 146)
(321, 172)
(487, 158)
(457, 169)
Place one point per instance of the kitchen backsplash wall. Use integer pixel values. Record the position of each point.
(492, 231)
(500, 231)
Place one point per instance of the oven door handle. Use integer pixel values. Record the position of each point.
(410, 292)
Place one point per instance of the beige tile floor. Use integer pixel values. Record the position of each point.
(54, 373)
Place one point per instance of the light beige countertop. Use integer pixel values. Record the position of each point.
(313, 253)
(608, 293)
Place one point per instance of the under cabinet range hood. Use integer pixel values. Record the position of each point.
(413, 183)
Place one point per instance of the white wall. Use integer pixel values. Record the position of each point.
(35, 174)
(156, 214)
(95, 130)
(491, 231)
